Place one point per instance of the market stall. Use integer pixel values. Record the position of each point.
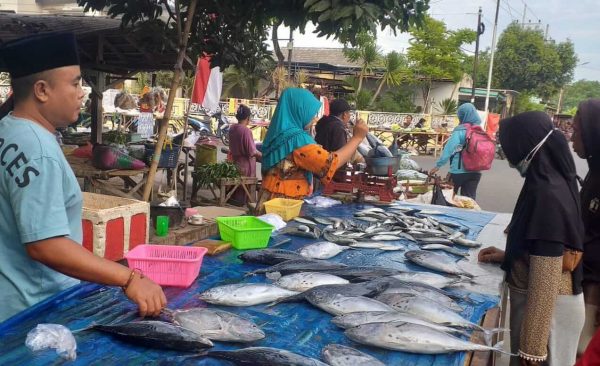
(297, 327)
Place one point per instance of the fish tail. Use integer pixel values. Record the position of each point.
(499, 347)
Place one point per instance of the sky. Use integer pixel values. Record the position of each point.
(578, 20)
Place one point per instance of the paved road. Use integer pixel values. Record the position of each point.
(500, 186)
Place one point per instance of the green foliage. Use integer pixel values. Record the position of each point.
(212, 173)
(447, 106)
(483, 66)
(524, 103)
(396, 100)
(435, 53)
(247, 78)
(395, 70)
(366, 53)
(234, 31)
(527, 63)
(578, 92)
(362, 99)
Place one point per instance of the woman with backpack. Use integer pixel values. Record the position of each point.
(465, 181)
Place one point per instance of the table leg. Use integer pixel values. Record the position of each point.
(185, 175)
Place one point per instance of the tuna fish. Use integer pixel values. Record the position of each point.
(337, 304)
(368, 289)
(428, 278)
(429, 294)
(466, 243)
(245, 294)
(435, 261)
(299, 265)
(265, 356)
(269, 256)
(321, 250)
(338, 355)
(304, 281)
(217, 325)
(445, 248)
(157, 334)
(413, 338)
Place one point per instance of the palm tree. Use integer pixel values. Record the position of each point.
(395, 70)
(366, 53)
(247, 78)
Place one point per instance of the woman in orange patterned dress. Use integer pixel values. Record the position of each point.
(291, 157)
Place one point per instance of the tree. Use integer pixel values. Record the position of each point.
(247, 77)
(578, 92)
(483, 66)
(527, 63)
(366, 53)
(525, 103)
(397, 100)
(394, 71)
(435, 54)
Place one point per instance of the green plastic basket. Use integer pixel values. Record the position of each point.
(245, 232)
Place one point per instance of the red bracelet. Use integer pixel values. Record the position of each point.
(131, 276)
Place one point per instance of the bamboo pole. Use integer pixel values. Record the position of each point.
(164, 123)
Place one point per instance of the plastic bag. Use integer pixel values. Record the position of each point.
(408, 163)
(108, 157)
(323, 202)
(54, 336)
(408, 174)
(273, 219)
(438, 197)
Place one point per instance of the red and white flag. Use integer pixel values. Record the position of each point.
(208, 85)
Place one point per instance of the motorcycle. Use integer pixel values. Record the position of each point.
(203, 125)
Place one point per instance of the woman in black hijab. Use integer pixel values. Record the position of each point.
(547, 310)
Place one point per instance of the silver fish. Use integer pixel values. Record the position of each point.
(457, 234)
(306, 280)
(375, 245)
(352, 320)
(337, 304)
(386, 237)
(321, 250)
(265, 356)
(435, 261)
(445, 248)
(304, 220)
(467, 243)
(245, 294)
(388, 296)
(338, 355)
(323, 220)
(217, 325)
(336, 239)
(299, 265)
(413, 338)
(428, 278)
(368, 219)
(436, 241)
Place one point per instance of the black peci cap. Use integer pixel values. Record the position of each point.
(338, 107)
(40, 52)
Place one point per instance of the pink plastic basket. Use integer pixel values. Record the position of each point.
(167, 265)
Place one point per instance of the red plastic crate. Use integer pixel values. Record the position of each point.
(167, 265)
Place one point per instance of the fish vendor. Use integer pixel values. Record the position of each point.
(40, 198)
(291, 156)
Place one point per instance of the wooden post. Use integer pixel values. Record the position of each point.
(164, 123)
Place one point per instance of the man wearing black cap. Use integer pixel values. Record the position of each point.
(331, 130)
(40, 198)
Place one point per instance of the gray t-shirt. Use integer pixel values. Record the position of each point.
(40, 199)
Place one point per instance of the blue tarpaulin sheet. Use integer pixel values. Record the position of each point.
(297, 327)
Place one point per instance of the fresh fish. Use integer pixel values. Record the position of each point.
(299, 265)
(428, 278)
(312, 233)
(399, 293)
(157, 334)
(265, 356)
(442, 241)
(386, 237)
(352, 320)
(457, 234)
(217, 325)
(336, 239)
(413, 338)
(432, 311)
(375, 245)
(337, 304)
(367, 289)
(303, 228)
(305, 221)
(304, 281)
(323, 221)
(435, 261)
(363, 273)
(269, 256)
(371, 210)
(321, 250)
(338, 355)
(364, 149)
(466, 243)
(245, 294)
(445, 248)
(368, 218)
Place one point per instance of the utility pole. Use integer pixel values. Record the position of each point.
(560, 100)
(489, 83)
(524, 12)
(290, 47)
(480, 30)
(547, 31)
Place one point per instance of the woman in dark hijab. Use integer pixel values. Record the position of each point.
(546, 231)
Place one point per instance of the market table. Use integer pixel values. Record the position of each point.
(297, 327)
(438, 139)
(96, 180)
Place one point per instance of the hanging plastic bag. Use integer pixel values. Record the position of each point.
(438, 197)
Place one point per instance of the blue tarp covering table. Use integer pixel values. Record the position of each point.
(297, 327)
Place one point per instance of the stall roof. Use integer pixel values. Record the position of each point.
(103, 44)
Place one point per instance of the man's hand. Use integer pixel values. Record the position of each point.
(360, 129)
(148, 296)
(491, 255)
(433, 171)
